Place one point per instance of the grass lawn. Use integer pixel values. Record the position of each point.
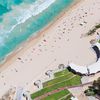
(58, 79)
(99, 41)
(57, 96)
(74, 81)
(61, 73)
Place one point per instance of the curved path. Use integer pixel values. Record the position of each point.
(91, 69)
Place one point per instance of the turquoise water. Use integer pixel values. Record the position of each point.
(7, 4)
(3, 9)
(12, 38)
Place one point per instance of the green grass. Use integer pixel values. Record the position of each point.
(57, 96)
(94, 29)
(61, 73)
(59, 79)
(99, 41)
(74, 81)
(97, 26)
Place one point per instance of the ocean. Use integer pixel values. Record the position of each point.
(21, 20)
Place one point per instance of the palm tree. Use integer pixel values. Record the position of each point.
(96, 86)
(94, 89)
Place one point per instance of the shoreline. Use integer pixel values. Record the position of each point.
(35, 38)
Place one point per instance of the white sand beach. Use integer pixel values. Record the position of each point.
(61, 43)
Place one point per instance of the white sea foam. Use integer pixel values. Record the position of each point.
(1, 41)
(34, 9)
(23, 14)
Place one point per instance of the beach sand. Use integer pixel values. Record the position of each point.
(61, 43)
